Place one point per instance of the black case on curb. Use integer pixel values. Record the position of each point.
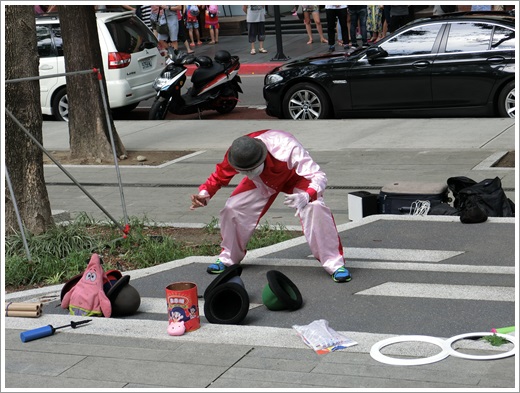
(398, 197)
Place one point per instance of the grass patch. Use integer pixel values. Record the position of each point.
(64, 251)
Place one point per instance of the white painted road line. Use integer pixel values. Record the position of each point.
(430, 267)
(441, 291)
(399, 254)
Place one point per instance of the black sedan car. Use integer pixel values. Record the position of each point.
(460, 64)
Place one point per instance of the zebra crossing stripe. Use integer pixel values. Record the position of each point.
(399, 254)
(442, 291)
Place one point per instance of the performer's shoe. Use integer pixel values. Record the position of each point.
(216, 268)
(341, 275)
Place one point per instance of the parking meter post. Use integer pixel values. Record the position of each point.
(280, 56)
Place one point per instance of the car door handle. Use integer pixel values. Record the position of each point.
(421, 64)
(496, 59)
(46, 67)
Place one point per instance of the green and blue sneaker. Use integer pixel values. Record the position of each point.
(341, 275)
(216, 268)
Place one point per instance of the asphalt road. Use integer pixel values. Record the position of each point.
(250, 106)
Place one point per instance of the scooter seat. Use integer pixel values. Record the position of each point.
(203, 75)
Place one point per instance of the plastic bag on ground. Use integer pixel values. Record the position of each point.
(322, 338)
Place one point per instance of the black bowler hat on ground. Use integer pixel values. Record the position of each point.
(280, 293)
(124, 298)
(225, 300)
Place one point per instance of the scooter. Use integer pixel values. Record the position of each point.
(215, 85)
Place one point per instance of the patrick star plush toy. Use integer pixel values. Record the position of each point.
(87, 297)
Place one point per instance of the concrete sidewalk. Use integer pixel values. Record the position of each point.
(356, 154)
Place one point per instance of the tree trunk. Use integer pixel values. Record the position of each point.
(23, 158)
(88, 127)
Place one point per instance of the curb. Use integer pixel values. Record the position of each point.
(246, 69)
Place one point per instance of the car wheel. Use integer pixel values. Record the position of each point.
(506, 101)
(158, 110)
(60, 105)
(305, 101)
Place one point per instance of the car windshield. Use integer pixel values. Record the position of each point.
(130, 35)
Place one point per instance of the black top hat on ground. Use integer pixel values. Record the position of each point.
(226, 275)
(281, 293)
(225, 300)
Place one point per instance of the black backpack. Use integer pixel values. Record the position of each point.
(488, 195)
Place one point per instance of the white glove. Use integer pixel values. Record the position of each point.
(199, 200)
(297, 201)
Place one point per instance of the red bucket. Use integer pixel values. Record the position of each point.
(183, 304)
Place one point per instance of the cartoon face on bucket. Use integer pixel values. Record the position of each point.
(182, 302)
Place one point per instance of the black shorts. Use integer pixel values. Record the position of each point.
(256, 30)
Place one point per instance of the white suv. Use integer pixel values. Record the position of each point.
(131, 61)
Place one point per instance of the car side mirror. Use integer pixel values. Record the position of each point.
(375, 52)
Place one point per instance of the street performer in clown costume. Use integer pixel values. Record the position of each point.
(272, 161)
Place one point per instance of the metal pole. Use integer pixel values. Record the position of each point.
(18, 217)
(123, 204)
(8, 112)
(32, 78)
(278, 27)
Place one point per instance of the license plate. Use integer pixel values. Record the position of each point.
(146, 64)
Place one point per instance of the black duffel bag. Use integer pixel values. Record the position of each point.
(488, 195)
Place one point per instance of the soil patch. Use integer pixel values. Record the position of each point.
(134, 157)
(508, 161)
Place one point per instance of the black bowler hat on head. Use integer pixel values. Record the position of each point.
(280, 293)
(246, 153)
(225, 300)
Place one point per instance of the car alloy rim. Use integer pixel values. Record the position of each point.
(304, 104)
(510, 103)
(63, 108)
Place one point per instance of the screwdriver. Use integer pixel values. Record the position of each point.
(48, 330)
